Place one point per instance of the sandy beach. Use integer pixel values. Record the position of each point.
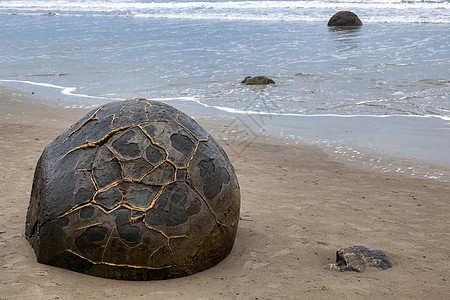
(298, 207)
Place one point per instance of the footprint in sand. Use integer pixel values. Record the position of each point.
(41, 273)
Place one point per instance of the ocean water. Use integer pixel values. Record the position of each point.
(383, 87)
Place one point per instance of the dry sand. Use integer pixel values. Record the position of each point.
(298, 208)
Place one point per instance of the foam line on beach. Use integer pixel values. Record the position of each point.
(249, 112)
(69, 91)
(192, 99)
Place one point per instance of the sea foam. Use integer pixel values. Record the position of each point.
(384, 11)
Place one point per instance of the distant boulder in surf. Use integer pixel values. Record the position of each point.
(344, 18)
(257, 80)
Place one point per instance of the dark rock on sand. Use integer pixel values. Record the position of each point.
(257, 80)
(357, 258)
(135, 190)
(344, 18)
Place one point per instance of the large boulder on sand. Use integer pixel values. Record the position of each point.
(344, 18)
(135, 190)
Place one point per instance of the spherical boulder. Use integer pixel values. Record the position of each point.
(344, 18)
(257, 80)
(135, 190)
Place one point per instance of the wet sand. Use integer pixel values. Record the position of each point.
(298, 207)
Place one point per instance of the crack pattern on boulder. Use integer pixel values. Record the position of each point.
(135, 190)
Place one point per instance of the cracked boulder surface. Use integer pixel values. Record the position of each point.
(135, 190)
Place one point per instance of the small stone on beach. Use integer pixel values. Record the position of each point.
(357, 258)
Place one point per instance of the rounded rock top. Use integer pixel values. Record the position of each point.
(344, 18)
(135, 190)
(257, 80)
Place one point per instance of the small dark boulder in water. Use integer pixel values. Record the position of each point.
(257, 80)
(344, 18)
(357, 258)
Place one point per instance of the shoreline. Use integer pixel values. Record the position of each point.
(417, 146)
(408, 145)
(298, 207)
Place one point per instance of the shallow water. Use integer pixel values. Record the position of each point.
(376, 70)
(392, 72)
